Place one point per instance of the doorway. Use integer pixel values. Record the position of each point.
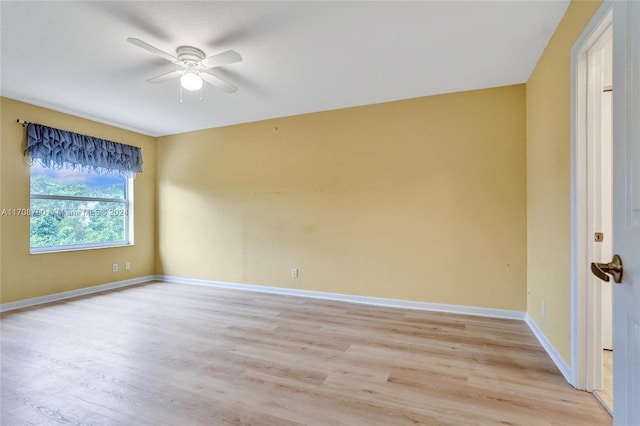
(592, 64)
(602, 248)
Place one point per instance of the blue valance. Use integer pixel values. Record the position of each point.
(55, 148)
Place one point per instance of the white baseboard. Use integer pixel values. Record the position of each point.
(367, 300)
(553, 353)
(10, 306)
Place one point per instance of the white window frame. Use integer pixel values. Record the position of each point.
(127, 205)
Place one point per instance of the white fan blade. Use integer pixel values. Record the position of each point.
(154, 50)
(220, 84)
(166, 76)
(224, 58)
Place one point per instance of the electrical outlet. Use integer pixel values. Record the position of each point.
(294, 273)
(114, 267)
(543, 312)
(127, 266)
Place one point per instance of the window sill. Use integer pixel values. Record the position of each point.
(64, 249)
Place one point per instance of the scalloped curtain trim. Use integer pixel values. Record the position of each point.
(56, 149)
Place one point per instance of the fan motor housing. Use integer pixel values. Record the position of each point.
(189, 54)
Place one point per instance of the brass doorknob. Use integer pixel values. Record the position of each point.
(614, 268)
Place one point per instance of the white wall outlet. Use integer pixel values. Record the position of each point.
(543, 312)
(127, 266)
(114, 267)
(294, 272)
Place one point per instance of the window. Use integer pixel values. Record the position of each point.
(78, 209)
(81, 190)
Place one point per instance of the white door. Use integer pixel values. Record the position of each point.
(626, 211)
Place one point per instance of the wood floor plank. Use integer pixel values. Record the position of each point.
(174, 354)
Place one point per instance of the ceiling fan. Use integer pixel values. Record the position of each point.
(195, 67)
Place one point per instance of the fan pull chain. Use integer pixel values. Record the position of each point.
(181, 93)
(201, 90)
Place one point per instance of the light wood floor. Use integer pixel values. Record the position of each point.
(172, 354)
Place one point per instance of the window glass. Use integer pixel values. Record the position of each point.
(73, 210)
(75, 183)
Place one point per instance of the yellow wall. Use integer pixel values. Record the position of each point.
(23, 275)
(422, 199)
(548, 180)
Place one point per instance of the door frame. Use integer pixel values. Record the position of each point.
(586, 349)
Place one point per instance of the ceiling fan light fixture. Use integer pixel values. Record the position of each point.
(190, 80)
(192, 62)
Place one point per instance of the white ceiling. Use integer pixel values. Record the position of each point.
(299, 57)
